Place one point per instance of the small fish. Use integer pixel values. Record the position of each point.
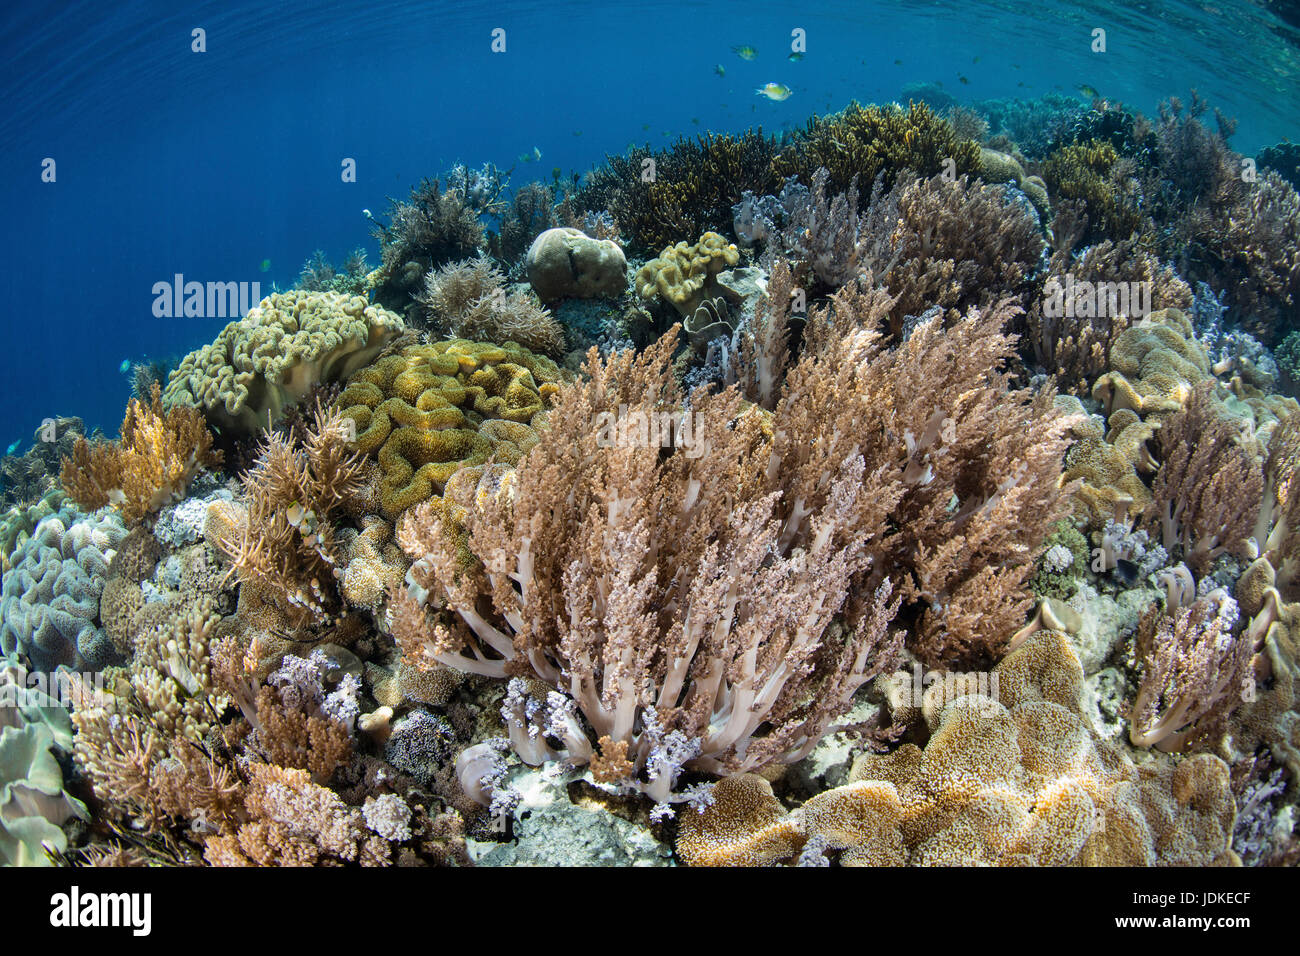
(577, 132)
(896, 62)
(795, 57)
(1126, 572)
(744, 52)
(774, 91)
(1088, 91)
(13, 447)
(266, 265)
(1021, 83)
(126, 363)
(720, 70)
(645, 127)
(961, 79)
(975, 60)
(695, 120)
(532, 157)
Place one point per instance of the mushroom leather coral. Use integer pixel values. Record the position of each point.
(1021, 780)
(431, 410)
(270, 359)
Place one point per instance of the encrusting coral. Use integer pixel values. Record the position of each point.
(272, 358)
(151, 465)
(1023, 779)
(430, 410)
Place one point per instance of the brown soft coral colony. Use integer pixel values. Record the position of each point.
(152, 464)
(430, 410)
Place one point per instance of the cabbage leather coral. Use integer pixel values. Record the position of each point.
(151, 465)
(1155, 364)
(1022, 779)
(865, 142)
(272, 358)
(468, 300)
(430, 410)
(685, 275)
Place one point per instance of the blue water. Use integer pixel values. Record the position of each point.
(207, 164)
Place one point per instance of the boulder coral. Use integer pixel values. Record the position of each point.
(49, 605)
(1023, 779)
(568, 264)
(430, 410)
(270, 359)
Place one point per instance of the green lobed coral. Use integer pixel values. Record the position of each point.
(275, 355)
(430, 410)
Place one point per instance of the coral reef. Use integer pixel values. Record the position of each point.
(273, 357)
(865, 142)
(1094, 175)
(656, 197)
(432, 227)
(151, 465)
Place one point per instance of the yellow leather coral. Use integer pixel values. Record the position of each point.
(685, 275)
(152, 464)
(272, 357)
(430, 410)
(1156, 364)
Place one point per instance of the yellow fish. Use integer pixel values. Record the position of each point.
(774, 91)
(744, 52)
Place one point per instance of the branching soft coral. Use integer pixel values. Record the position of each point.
(1208, 490)
(155, 460)
(468, 300)
(1194, 673)
(286, 544)
(681, 605)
